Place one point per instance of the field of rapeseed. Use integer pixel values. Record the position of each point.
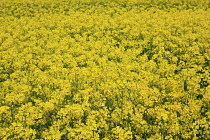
(105, 69)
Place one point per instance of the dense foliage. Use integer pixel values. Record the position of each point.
(103, 69)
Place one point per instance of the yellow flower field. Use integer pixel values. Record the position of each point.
(105, 69)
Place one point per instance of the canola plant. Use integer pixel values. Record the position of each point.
(104, 69)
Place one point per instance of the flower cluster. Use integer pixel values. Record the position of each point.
(103, 69)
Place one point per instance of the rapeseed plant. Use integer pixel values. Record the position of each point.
(124, 69)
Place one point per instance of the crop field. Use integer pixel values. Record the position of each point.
(104, 69)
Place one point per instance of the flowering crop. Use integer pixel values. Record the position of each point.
(103, 69)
